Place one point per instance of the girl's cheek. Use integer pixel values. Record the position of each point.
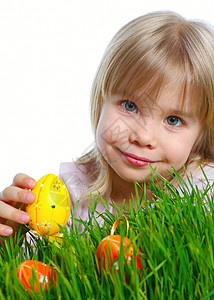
(106, 130)
(104, 136)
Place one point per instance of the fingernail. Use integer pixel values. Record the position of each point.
(29, 197)
(24, 218)
(8, 231)
(31, 183)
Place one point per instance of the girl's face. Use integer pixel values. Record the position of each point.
(135, 132)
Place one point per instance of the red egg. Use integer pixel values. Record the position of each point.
(109, 249)
(43, 273)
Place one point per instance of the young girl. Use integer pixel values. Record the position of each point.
(152, 103)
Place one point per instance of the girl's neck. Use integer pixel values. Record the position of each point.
(123, 190)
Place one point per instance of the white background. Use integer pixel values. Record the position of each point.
(49, 53)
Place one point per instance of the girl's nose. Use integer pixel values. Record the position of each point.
(144, 137)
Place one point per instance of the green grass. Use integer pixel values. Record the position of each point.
(176, 238)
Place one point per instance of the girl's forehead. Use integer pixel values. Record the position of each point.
(171, 93)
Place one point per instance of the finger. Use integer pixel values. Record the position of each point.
(5, 230)
(13, 193)
(10, 213)
(24, 181)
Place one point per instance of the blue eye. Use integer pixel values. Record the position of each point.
(129, 106)
(173, 121)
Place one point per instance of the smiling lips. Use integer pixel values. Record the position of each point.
(136, 160)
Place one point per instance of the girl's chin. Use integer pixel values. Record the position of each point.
(142, 176)
(131, 178)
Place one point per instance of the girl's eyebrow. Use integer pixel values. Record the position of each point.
(189, 115)
(139, 99)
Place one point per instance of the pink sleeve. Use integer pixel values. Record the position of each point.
(76, 179)
(77, 184)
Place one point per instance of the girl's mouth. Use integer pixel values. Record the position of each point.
(136, 160)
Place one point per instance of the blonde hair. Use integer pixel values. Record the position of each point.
(146, 53)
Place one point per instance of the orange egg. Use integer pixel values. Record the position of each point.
(51, 207)
(43, 273)
(109, 249)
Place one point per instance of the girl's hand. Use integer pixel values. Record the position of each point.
(12, 201)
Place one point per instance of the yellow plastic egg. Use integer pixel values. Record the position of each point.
(51, 207)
